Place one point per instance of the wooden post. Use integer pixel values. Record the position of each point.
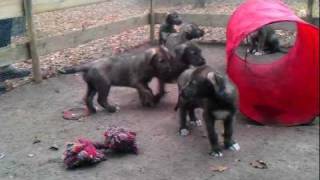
(152, 23)
(310, 10)
(32, 45)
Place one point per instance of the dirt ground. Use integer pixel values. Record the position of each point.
(35, 111)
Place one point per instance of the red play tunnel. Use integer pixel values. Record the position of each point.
(285, 91)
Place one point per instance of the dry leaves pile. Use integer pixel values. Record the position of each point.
(62, 21)
(227, 7)
(84, 53)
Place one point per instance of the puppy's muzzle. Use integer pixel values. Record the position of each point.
(201, 61)
(178, 22)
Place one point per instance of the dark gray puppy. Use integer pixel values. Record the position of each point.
(264, 40)
(187, 32)
(185, 55)
(134, 71)
(168, 26)
(203, 87)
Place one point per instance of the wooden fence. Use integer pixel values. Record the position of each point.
(37, 47)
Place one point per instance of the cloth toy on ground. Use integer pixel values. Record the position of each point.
(85, 152)
(120, 140)
(82, 152)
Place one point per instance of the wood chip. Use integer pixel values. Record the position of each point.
(219, 168)
(259, 164)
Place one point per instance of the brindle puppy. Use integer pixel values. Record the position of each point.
(168, 26)
(185, 55)
(205, 88)
(134, 71)
(187, 32)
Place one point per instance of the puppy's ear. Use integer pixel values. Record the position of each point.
(211, 78)
(150, 55)
(180, 51)
(167, 17)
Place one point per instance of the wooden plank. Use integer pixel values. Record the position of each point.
(36, 72)
(76, 38)
(11, 55)
(14, 8)
(11, 8)
(47, 45)
(151, 22)
(213, 20)
(52, 5)
(309, 10)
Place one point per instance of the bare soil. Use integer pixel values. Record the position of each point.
(35, 111)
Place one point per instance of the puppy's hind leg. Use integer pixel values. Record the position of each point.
(91, 92)
(103, 92)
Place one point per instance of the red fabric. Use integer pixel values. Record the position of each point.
(286, 91)
(82, 152)
(120, 140)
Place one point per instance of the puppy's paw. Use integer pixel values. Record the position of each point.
(197, 123)
(234, 147)
(258, 53)
(216, 153)
(117, 108)
(184, 132)
(113, 109)
(157, 98)
(148, 104)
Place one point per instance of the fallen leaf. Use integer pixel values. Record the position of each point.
(54, 148)
(36, 140)
(219, 168)
(2, 155)
(259, 164)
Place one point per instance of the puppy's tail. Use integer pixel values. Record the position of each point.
(74, 69)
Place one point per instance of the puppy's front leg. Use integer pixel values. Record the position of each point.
(145, 94)
(183, 121)
(213, 137)
(161, 91)
(229, 143)
(261, 43)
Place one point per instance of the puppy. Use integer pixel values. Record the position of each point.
(264, 41)
(185, 55)
(187, 32)
(134, 71)
(202, 87)
(168, 26)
